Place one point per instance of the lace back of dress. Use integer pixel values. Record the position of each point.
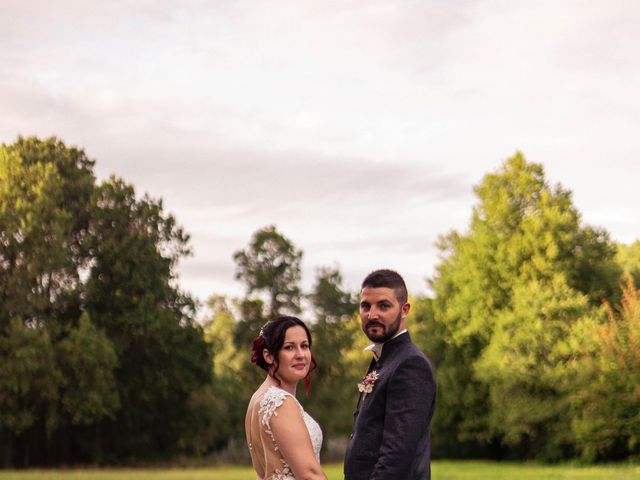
(277, 468)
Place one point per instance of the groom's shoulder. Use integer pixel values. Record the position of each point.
(412, 354)
(404, 350)
(409, 348)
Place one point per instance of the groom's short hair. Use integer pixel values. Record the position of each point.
(385, 278)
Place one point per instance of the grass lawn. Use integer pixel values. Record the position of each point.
(441, 470)
(468, 470)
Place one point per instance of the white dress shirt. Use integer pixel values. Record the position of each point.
(376, 348)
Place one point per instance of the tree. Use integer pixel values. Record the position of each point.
(628, 257)
(331, 303)
(163, 358)
(523, 366)
(335, 333)
(87, 360)
(88, 391)
(235, 378)
(87, 280)
(603, 381)
(454, 433)
(271, 264)
(45, 189)
(523, 236)
(521, 229)
(29, 392)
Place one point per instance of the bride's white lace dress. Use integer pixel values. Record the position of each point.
(265, 454)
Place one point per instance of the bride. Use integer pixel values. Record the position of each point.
(284, 441)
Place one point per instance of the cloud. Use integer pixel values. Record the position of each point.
(357, 128)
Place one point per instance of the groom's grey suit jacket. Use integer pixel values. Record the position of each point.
(391, 437)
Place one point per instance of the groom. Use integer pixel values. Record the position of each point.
(390, 439)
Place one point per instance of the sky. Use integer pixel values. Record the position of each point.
(357, 128)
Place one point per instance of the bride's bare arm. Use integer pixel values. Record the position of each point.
(292, 436)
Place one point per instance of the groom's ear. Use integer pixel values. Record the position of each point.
(405, 309)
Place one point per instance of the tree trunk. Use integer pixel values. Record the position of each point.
(6, 449)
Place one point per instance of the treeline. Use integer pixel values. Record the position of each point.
(100, 356)
(534, 328)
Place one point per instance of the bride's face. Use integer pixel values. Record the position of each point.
(294, 357)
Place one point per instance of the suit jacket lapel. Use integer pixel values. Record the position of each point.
(388, 351)
(372, 365)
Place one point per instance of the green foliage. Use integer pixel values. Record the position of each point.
(337, 346)
(33, 230)
(522, 366)
(28, 378)
(135, 248)
(628, 257)
(45, 189)
(87, 361)
(271, 263)
(521, 230)
(335, 332)
(507, 294)
(604, 386)
(163, 356)
(270, 268)
(235, 378)
(101, 358)
(460, 417)
(330, 302)
(89, 315)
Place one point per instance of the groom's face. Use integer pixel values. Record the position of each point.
(381, 314)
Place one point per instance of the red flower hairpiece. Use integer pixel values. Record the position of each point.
(258, 346)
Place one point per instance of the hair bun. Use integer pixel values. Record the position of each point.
(258, 346)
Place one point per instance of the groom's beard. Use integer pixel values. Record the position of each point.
(388, 331)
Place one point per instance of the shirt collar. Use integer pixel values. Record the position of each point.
(376, 348)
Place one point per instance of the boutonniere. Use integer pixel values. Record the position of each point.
(369, 380)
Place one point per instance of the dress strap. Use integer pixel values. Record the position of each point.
(273, 398)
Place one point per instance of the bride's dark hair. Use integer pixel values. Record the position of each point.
(271, 337)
